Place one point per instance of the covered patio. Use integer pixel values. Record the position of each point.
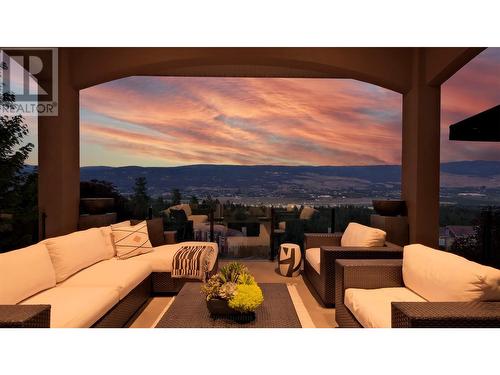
(416, 73)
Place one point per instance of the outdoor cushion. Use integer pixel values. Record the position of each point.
(307, 213)
(75, 307)
(439, 276)
(25, 272)
(362, 236)
(184, 207)
(125, 223)
(108, 238)
(196, 219)
(75, 251)
(372, 307)
(161, 257)
(131, 241)
(155, 230)
(121, 275)
(313, 256)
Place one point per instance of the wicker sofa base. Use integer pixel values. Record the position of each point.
(122, 313)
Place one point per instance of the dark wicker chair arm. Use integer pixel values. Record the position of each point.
(329, 254)
(355, 252)
(366, 274)
(24, 316)
(321, 239)
(446, 314)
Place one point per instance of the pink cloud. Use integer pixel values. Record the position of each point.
(252, 121)
(176, 120)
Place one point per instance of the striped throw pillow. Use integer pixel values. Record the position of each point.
(131, 241)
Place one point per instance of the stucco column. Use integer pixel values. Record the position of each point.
(58, 158)
(420, 159)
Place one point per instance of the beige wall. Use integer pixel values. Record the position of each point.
(417, 73)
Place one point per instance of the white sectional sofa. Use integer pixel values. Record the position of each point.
(82, 281)
(428, 288)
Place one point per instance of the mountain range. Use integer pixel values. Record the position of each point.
(262, 179)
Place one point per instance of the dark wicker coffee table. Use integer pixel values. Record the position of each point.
(189, 310)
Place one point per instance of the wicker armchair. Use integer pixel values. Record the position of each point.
(330, 250)
(296, 223)
(387, 273)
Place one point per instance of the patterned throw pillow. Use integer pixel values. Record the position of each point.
(131, 241)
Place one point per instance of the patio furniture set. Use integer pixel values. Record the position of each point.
(375, 284)
(89, 279)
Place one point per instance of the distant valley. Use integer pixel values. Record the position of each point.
(466, 180)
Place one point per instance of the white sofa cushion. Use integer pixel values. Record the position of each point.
(307, 213)
(123, 276)
(372, 307)
(131, 241)
(75, 307)
(198, 219)
(439, 276)
(75, 251)
(108, 238)
(362, 236)
(25, 272)
(162, 256)
(313, 256)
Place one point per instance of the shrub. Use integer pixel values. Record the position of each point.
(247, 298)
(234, 284)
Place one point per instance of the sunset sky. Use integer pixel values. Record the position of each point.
(165, 121)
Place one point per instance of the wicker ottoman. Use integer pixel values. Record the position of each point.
(289, 259)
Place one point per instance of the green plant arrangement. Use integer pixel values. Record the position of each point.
(233, 293)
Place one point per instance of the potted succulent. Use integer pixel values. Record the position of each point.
(232, 293)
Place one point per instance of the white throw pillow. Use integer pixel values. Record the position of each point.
(131, 241)
(357, 235)
(25, 272)
(439, 276)
(108, 238)
(125, 223)
(75, 251)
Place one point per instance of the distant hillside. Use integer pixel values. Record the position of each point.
(287, 179)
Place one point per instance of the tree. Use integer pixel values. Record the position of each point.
(18, 189)
(176, 197)
(13, 153)
(140, 200)
(158, 205)
(193, 200)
